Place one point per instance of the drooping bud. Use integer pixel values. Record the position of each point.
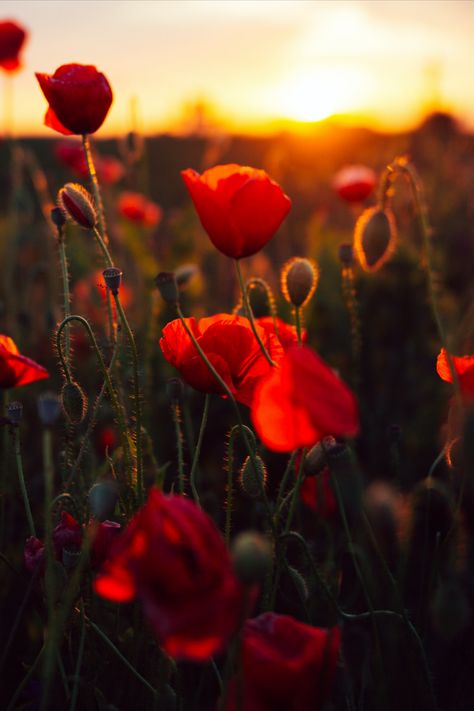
(77, 204)
(49, 407)
(250, 480)
(168, 287)
(103, 497)
(15, 412)
(375, 237)
(74, 402)
(299, 278)
(316, 459)
(252, 557)
(113, 279)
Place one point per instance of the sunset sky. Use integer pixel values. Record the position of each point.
(258, 63)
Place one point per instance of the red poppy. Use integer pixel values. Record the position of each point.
(464, 367)
(172, 557)
(17, 369)
(231, 347)
(240, 208)
(287, 665)
(286, 334)
(79, 98)
(12, 38)
(301, 402)
(137, 208)
(316, 493)
(354, 183)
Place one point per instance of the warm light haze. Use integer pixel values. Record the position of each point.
(253, 66)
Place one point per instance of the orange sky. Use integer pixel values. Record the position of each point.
(258, 63)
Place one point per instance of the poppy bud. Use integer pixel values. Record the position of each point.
(15, 412)
(374, 237)
(252, 481)
(77, 204)
(113, 279)
(58, 217)
(299, 278)
(103, 497)
(252, 557)
(74, 402)
(168, 287)
(316, 459)
(49, 407)
(346, 255)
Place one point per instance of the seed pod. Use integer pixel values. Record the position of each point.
(113, 279)
(74, 402)
(375, 238)
(299, 278)
(77, 204)
(168, 287)
(252, 557)
(252, 481)
(15, 412)
(103, 497)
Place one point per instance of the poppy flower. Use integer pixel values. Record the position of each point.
(231, 347)
(464, 367)
(172, 557)
(79, 98)
(354, 183)
(137, 208)
(301, 402)
(12, 38)
(240, 208)
(286, 665)
(284, 331)
(17, 369)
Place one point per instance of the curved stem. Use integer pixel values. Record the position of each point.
(197, 451)
(249, 312)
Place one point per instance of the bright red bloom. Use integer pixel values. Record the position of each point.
(287, 665)
(301, 402)
(354, 183)
(79, 98)
(172, 557)
(231, 347)
(137, 208)
(464, 367)
(286, 333)
(12, 38)
(240, 208)
(17, 369)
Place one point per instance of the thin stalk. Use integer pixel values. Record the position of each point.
(298, 324)
(197, 451)
(350, 298)
(229, 485)
(66, 293)
(50, 656)
(21, 477)
(248, 310)
(103, 247)
(285, 477)
(80, 656)
(175, 411)
(95, 185)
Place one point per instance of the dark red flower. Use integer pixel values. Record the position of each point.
(172, 557)
(106, 439)
(464, 367)
(231, 347)
(105, 537)
(286, 333)
(12, 38)
(301, 402)
(287, 665)
(79, 98)
(33, 554)
(316, 493)
(354, 183)
(137, 208)
(240, 208)
(17, 369)
(67, 534)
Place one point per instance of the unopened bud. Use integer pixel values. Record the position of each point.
(316, 459)
(77, 204)
(113, 279)
(253, 481)
(168, 287)
(74, 402)
(252, 557)
(375, 237)
(15, 412)
(49, 407)
(58, 217)
(102, 499)
(299, 278)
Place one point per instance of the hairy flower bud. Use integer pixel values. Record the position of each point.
(299, 278)
(74, 402)
(375, 237)
(252, 557)
(252, 481)
(77, 204)
(316, 458)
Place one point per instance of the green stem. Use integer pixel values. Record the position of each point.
(95, 185)
(197, 451)
(298, 324)
(21, 477)
(50, 655)
(248, 310)
(137, 397)
(66, 293)
(103, 247)
(179, 443)
(230, 484)
(285, 477)
(80, 656)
